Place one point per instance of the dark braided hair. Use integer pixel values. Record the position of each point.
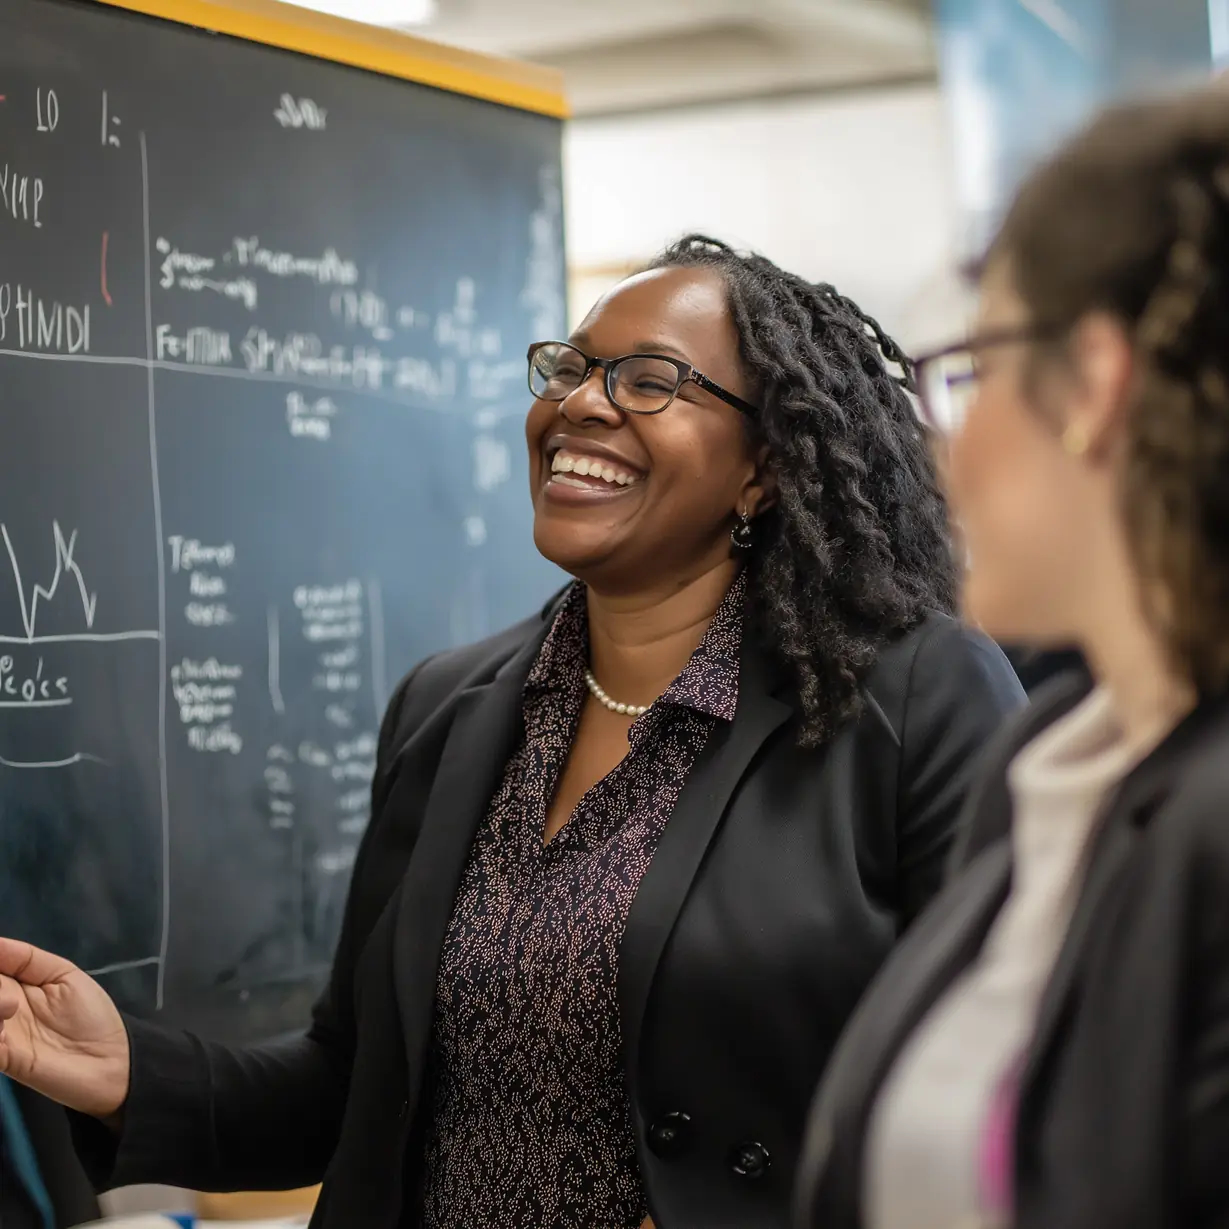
(856, 547)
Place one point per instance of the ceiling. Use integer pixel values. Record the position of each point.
(628, 55)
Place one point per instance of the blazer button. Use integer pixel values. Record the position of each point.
(750, 1161)
(669, 1135)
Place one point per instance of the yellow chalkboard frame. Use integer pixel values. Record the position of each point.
(527, 87)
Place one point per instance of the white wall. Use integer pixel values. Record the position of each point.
(853, 189)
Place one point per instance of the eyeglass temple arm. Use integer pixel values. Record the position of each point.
(729, 398)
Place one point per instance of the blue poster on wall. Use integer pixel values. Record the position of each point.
(1218, 21)
(1021, 75)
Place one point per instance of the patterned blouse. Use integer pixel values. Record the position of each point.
(531, 1124)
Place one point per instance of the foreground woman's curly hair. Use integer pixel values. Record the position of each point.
(1159, 263)
(857, 546)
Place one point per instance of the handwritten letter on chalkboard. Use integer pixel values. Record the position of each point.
(262, 327)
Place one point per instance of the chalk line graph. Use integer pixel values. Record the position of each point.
(68, 575)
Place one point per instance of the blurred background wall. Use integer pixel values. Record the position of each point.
(813, 130)
(852, 188)
(864, 142)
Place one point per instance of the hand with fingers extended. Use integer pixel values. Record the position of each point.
(60, 1033)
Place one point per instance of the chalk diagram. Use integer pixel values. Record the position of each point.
(56, 607)
(40, 687)
(67, 579)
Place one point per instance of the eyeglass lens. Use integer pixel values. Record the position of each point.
(949, 385)
(637, 384)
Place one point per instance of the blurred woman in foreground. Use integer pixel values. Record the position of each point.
(1050, 1045)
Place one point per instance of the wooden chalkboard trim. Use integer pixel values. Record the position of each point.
(391, 52)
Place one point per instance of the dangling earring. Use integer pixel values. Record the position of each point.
(740, 535)
(1076, 440)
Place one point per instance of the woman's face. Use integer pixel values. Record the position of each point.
(691, 467)
(1025, 507)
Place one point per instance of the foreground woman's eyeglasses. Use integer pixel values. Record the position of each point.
(947, 379)
(635, 383)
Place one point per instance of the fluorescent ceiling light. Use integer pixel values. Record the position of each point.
(376, 12)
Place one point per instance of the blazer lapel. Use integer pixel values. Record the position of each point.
(1124, 814)
(940, 945)
(482, 737)
(1111, 850)
(684, 841)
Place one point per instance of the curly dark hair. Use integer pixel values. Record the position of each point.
(1131, 217)
(856, 547)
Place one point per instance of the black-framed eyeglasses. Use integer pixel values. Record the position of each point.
(635, 383)
(948, 379)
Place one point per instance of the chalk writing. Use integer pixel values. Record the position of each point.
(31, 322)
(354, 801)
(336, 861)
(488, 381)
(419, 375)
(34, 687)
(305, 354)
(309, 419)
(204, 702)
(332, 612)
(341, 660)
(412, 318)
(205, 693)
(458, 329)
(334, 621)
(199, 346)
(191, 271)
(110, 123)
(219, 739)
(46, 110)
(544, 274)
(188, 553)
(209, 671)
(21, 196)
(280, 786)
(329, 269)
(364, 309)
(338, 681)
(204, 614)
(300, 113)
(201, 584)
(492, 463)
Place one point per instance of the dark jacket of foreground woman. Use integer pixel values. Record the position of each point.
(782, 879)
(1124, 1102)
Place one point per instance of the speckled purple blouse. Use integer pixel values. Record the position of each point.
(531, 1126)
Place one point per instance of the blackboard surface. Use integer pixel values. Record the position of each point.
(262, 332)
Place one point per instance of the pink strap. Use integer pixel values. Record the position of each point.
(996, 1160)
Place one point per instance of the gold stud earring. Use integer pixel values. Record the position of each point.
(1076, 440)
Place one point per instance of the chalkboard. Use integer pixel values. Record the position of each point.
(262, 331)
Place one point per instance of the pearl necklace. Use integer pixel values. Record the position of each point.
(628, 710)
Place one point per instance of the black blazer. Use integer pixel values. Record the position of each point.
(1124, 1111)
(1035, 668)
(781, 881)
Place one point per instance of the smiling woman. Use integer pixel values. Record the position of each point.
(632, 862)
